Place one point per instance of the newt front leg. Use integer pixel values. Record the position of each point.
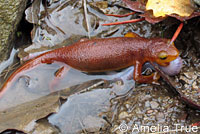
(153, 78)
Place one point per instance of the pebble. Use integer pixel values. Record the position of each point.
(186, 79)
(194, 85)
(186, 86)
(150, 111)
(189, 75)
(154, 104)
(123, 115)
(147, 104)
(160, 116)
(127, 106)
(119, 132)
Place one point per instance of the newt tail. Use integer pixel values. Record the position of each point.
(47, 57)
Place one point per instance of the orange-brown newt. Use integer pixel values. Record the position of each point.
(99, 55)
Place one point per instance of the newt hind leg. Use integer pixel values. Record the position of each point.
(153, 78)
(59, 74)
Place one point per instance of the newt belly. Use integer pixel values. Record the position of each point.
(99, 55)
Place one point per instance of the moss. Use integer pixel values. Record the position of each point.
(11, 12)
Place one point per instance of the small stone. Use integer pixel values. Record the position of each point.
(138, 111)
(190, 75)
(119, 132)
(114, 128)
(127, 106)
(186, 86)
(197, 73)
(147, 104)
(150, 111)
(194, 85)
(123, 115)
(145, 119)
(154, 104)
(198, 80)
(186, 79)
(160, 116)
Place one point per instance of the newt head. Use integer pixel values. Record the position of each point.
(162, 52)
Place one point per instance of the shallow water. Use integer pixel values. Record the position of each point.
(35, 83)
(8, 62)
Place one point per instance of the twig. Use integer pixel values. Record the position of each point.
(91, 87)
(85, 132)
(10, 68)
(86, 17)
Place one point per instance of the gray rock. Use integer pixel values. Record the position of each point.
(93, 124)
(11, 12)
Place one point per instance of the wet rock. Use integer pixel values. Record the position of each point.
(10, 15)
(93, 124)
(23, 117)
(43, 127)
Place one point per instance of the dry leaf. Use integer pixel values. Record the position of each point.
(161, 8)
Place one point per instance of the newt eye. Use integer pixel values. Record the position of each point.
(162, 55)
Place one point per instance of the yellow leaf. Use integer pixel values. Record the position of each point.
(161, 8)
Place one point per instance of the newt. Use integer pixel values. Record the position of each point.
(106, 54)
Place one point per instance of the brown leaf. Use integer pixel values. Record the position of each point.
(194, 14)
(137, 6)
(148, 15)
